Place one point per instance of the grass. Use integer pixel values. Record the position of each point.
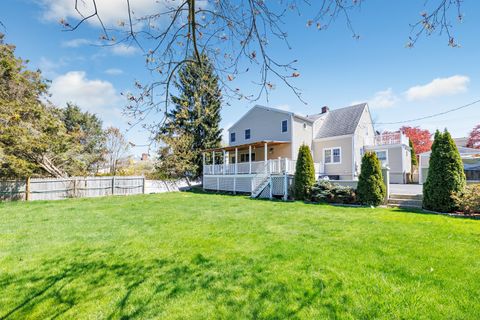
(201, 256)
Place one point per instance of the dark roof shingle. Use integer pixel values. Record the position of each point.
(341, 121)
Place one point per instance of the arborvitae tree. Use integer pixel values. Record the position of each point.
(445, 174)
(371, 190)
(304, 173)
(197, 109)
(413, 154)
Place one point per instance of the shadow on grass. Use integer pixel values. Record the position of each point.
(125, 287)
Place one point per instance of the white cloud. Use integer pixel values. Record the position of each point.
(75, 43)
(438, 87)
(383, 99)
(111, 11)
(124, 50)
(114, 71)
(96, 96)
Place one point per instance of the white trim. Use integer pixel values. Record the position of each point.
(353, 157)
(245, 134)
(331, 155)
(333, 138)
(383, 146)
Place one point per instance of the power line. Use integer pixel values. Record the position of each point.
(433, 115)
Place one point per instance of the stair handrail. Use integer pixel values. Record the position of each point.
(259, 177)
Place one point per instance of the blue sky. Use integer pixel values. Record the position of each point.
(335, 69)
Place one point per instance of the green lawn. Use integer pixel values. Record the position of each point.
(201, 256)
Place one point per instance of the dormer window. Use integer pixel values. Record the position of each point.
(232, 137)
(247, 134)
(284, 126)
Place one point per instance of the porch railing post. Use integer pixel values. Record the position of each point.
(224, 161)
(213, 162)
(265, 155)
(250, 159)
(236, 160)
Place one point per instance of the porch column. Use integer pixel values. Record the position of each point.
(236, 160)
(224, 161)
(213, 162)
(203, 163)
(250, 159)
(265, 155)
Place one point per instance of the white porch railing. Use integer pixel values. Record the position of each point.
(390, 138)
(274, 166)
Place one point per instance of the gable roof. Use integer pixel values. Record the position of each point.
(271, 109)
(340, 122)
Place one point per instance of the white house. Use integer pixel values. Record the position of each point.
(263, 147)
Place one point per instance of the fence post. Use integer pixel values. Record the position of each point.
(74, 187)
(113, 185)
(285, 186)
(143, 186)
(27, 189)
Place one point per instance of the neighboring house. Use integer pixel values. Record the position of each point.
(470, 158)
(265, 141)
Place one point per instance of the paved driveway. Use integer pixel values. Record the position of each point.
(406, 188)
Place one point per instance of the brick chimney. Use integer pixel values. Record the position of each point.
(325, 109)
(144, 157)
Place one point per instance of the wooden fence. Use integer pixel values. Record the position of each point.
(83, 187)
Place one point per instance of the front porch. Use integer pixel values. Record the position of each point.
(263, 169)
(265, 157)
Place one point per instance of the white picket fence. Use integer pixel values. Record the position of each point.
(84, 187)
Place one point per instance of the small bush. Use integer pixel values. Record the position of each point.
(371, 190)
(304, 173)
(468, 201)
(325, 191)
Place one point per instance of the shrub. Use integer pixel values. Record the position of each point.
(325, 191)
(445, 175)
(304, 173)
(371, 190)
(468, 201)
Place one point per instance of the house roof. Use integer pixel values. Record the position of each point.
(339, 122)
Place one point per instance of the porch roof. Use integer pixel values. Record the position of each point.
(255, 144)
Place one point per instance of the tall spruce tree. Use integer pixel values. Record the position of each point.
(445, 174)
(197, 109)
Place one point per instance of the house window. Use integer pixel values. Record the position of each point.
(332, 155)
(245, 158)
(247, 134)
(382, 156)
(284, 126)
(233, 160)
(232, 137)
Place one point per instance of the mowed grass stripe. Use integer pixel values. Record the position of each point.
(204, 256)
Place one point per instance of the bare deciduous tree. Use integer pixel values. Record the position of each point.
(236, 35)
(116, 147)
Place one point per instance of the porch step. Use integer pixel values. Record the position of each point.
(407, 203)
(406, 197)
(258, 190)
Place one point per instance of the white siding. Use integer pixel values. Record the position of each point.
(302, 134)
(264, 124)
